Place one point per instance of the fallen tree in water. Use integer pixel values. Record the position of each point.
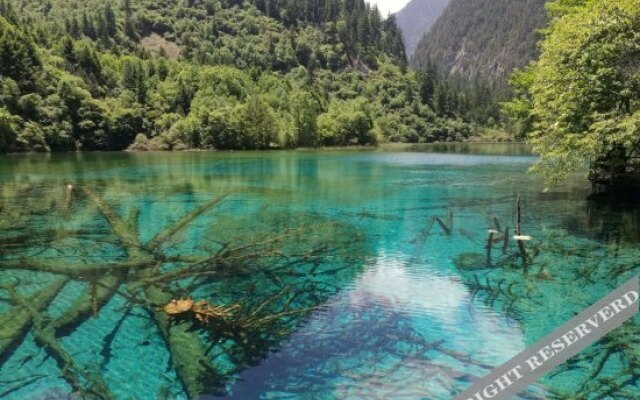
(253, 286)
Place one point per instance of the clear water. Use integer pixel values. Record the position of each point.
(389, 312)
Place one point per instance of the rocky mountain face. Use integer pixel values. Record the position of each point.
(416, 19)
(483, 38)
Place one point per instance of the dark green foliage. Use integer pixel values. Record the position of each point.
(8, 130)
(7, 11)
(134, 79)
(18, 58)
(474, 100)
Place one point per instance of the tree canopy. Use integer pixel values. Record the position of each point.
(210, 74)
(581, 99)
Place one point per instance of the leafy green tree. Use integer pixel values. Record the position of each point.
(584, 91)
(519, 108)
(223, 128)
(30, 105)
(32, 138)
(260, 128)
(123, 124)
(305, 110)
(347, 123)
(9, 93)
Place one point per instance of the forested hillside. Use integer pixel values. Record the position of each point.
(471, 51)
(223, 74)
(483, 38)
(416, 19)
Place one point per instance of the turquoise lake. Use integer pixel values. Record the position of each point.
(336, 278)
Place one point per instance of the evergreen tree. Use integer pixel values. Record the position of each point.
(129, 24)
(428, 78)
(68, 51)
(88, 27)
(110, 21)
(134, 79)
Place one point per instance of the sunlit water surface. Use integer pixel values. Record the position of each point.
(403, 325)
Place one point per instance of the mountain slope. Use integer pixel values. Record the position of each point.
(483, 38)
(416, 19)
(206, 74)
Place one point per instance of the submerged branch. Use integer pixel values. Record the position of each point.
(128, 236)
(184, 221)
(87, 304)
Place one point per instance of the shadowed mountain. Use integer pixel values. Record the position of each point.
(483, 38)
(416, 19)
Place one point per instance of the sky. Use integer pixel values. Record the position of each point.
(387, 6)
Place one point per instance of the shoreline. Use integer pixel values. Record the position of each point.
(384, 146)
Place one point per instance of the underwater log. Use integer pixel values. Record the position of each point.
(14, 324)
(187, 351)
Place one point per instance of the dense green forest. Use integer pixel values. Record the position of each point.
(451, 95)
(579, 103)
(209, 74)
